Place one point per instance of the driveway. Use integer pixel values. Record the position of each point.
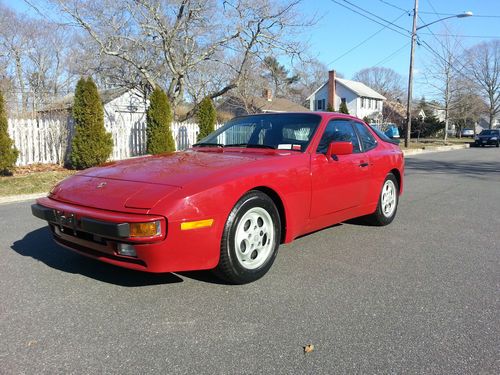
(418, 296)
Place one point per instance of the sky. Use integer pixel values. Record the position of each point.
(348, 42)
(339, 30)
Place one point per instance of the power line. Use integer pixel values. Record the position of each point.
(387, 58)
(464, 68)
(363, 42)
(446, 48)
(395, 6)
(374, 15)
(371, 19)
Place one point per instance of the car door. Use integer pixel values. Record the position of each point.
(338, 184)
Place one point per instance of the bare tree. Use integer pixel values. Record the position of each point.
(484, 63)
(36, 51)
(442, 73)
(168, 42)
(14, 41)
(311, 74)
(467, 105)
(383, 80)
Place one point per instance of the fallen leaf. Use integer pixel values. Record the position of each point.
(308, 348)
(32, 342)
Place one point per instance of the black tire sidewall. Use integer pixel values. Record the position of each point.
(231, 269)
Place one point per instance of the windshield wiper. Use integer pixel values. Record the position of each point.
(249, 145)
(208, 145)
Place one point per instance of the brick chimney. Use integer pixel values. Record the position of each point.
(267, 94)
(331, 88)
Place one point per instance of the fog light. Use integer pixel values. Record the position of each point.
(126, 249)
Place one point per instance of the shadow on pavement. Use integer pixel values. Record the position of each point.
(40, 246)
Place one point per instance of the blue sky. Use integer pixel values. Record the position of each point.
(339, 30)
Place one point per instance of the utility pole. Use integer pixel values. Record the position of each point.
(410, 75)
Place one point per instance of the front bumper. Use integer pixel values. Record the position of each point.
(97, 233)
(486, 142)
(97, 227)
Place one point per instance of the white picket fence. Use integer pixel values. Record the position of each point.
(48, 141)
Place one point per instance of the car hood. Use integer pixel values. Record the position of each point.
(140, 183)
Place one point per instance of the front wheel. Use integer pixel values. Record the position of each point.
(387, 202)
(250, 240)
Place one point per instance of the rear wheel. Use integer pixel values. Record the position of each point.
(387, 202)
(250, 240)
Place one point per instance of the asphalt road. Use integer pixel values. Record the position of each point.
(418, 296)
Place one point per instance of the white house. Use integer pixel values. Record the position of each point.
(121, 105)
(361, 100)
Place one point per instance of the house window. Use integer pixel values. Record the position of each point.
(320, 104)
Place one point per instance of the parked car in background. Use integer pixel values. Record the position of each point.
(384, 136)
(488, 137)
(467, 133)
(231, 200)
(392, 131)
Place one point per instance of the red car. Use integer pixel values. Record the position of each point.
(231, 200)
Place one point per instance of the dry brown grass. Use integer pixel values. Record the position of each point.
(38, 178)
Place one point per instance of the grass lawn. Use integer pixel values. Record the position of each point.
(32, 182)
(430, 142)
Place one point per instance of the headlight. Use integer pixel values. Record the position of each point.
(494, 138)
(148, 229)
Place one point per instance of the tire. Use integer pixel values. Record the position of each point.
(387, 203)
(498, 144)
(250, 239)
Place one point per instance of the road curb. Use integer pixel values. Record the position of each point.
(419, 151)
(21, 198)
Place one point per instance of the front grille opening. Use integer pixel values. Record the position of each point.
(79, 234)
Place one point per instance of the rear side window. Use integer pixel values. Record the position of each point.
(338, 131)
(368, 141)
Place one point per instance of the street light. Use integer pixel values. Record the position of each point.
(412, 51)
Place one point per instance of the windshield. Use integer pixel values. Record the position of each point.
(284, 131)
(489, 132)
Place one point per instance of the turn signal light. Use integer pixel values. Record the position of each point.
(149, 229)
(187, 225)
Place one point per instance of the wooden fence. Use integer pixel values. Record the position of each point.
(49, 141)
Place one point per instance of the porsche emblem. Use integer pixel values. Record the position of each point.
(101, 185)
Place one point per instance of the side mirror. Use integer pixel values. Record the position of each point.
(338, 148)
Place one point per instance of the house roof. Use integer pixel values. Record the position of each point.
(360, 89)
(276, 105)
(235, 105)
(66, 102)
(356, 87)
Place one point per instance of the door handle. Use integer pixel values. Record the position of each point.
(363, 165)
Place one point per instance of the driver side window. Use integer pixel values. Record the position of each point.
(338, 131)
